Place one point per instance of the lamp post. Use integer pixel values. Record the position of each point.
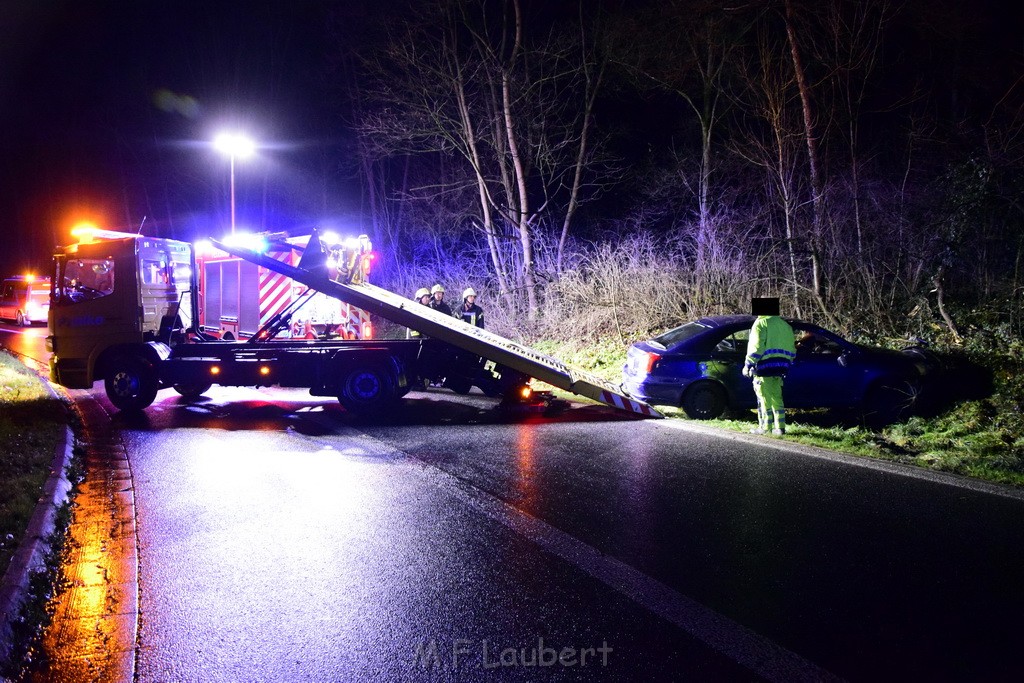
(235, 145)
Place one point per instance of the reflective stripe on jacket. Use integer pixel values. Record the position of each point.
(474, 315)
(772, 348)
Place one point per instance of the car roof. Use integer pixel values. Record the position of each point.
(714, 321)
(723, 320)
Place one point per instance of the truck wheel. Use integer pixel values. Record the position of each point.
(131, 383)
(704, 401)
(21, 319)
(460, 385)
(192, 389)
(366, 389)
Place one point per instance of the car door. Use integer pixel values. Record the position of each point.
(822, 376)
(725, 363)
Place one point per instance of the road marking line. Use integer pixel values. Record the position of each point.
(744, 646)
(737, 642)
(896, 468)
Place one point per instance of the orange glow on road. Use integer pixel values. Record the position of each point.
(525, 465)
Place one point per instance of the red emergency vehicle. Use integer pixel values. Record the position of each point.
(237, 297)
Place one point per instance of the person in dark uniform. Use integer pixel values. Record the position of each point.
(469, 311)
(437, 300)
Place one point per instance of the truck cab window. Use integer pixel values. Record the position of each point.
(181, 273)
(84, 280)
(154, 272)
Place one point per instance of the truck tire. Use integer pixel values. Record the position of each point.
(367, 389)
(21, 320)
(460, 385)
(131, 383)
(192, 389)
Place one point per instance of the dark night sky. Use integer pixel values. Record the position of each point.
(83, 136)
(82, 125)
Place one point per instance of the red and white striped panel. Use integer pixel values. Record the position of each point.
(275, 289)
(628, 404)
(352, 322)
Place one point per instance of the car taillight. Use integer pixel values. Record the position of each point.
(652, 361)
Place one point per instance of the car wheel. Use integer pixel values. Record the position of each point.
(889, 402)
(192, 389)
(21, 319)
(366, 389)
(131, 383)
(704, 401)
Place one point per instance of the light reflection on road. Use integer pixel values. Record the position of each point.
(525, 465)
(29, 343)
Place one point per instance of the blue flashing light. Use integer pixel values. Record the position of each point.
(246, 240)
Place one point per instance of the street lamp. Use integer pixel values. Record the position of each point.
(235, 145)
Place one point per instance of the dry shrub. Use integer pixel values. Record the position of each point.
(623, 288)
(632, 285)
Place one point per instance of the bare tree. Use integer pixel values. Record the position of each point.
(461, 84)
(689, 56)
(771, 142)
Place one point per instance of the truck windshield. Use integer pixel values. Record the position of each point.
(83, 280)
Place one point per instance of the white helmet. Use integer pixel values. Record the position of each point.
(422, 292)
(468, 292)
(437, 288)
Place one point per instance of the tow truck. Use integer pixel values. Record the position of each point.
(124, 310)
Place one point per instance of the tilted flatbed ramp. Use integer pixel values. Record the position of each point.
(454, 331)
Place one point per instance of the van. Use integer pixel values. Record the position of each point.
(25, 299)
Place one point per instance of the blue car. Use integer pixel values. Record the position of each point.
(698, 367)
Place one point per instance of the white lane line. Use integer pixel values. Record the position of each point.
(757, 653)
(744, 646)
(899, 469)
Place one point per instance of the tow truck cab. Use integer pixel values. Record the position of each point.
(111, 290)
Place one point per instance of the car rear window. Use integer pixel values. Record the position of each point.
(678, 334)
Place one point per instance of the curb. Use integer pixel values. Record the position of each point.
(32, 550)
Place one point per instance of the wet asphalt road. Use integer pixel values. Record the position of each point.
(282, 539)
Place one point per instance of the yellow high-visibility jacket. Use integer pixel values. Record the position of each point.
(772, 348)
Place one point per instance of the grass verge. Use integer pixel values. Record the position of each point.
(32, 422)
(981, 438)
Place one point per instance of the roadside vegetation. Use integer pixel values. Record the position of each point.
(603, 175)
(32, 422)
(981, 437)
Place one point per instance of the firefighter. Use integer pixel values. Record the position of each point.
(469, 311)
(437, 300)
(770, 353)
(423, 296)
